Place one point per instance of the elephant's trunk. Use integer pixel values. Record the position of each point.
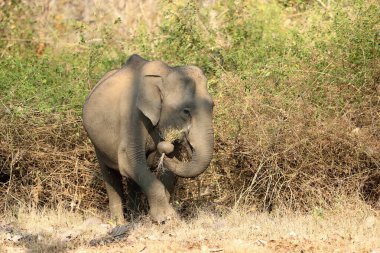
(201, 139)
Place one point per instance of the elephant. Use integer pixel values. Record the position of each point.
(125, 115)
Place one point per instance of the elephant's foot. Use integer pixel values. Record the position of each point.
(118, 219)
(160, 208)
(116, 207)
(162, 213)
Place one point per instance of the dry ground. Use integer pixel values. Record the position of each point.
(347, 228)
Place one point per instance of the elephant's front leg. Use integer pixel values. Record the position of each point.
(134, 165)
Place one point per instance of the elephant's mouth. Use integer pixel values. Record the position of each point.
(183, 149)
(181, 153)
(191, 150)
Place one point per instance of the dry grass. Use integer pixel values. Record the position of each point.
(346, 228)
(48, 160)
(61, 23)
(172, 134)
(284, 153)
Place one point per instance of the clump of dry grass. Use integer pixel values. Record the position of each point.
(172, 134)
(48, 161)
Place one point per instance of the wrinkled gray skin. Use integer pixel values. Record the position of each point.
(123, 116)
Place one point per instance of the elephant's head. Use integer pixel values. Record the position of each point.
(177, 97)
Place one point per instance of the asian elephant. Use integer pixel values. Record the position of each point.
(124, 116)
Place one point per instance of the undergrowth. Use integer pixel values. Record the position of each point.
(296, 86)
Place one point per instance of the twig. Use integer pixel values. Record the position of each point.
(160, 166)
(323, 5)
(6, 107)
(25, 40)
(216, 250)
(249, 188)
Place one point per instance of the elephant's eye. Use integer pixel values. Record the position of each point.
(186, 111)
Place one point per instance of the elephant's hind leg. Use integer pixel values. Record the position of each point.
(114, 187)
(135, 198)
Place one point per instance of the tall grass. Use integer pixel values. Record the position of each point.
(296, 86)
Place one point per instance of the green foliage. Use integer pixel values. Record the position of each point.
(41, 84)
(184, 36)
(344, 52)
(254, 40)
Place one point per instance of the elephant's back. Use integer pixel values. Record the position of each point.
(100, 83)
(101, 111)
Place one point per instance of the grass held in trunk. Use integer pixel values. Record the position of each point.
(172, 134)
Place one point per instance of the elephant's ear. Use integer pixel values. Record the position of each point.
(149, 98)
